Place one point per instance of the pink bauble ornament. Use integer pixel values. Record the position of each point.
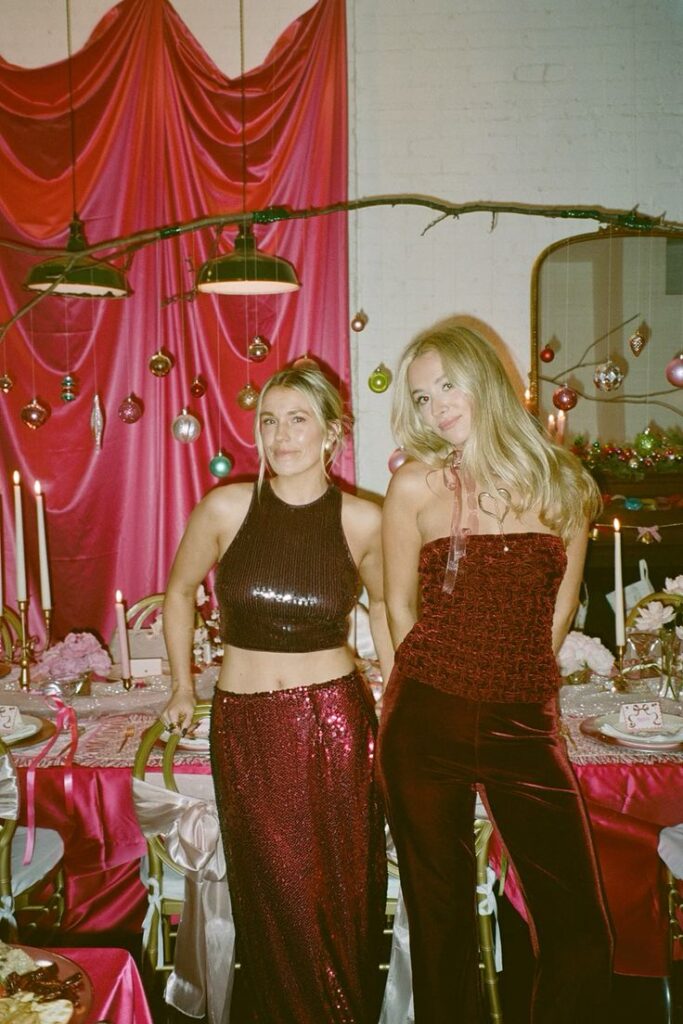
(396, 459)
(565, 398)
(247, 397)
(131, 409)
(674, 371)
(35, 414)
(258, 349)
(186, 427)
(546, 354)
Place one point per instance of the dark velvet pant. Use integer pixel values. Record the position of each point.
(434, 748)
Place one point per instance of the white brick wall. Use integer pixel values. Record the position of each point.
(575, 102)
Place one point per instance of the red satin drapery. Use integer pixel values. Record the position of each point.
(158, 139)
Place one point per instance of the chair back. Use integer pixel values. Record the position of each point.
(10, 630)
(9, 812)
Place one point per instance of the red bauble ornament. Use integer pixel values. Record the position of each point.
(565, 398)
(35, 414)
(198, 387)
(674, 371)
(547, 354)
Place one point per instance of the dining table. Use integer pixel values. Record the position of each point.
(84, 791)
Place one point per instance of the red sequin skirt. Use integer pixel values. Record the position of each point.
(303, 829)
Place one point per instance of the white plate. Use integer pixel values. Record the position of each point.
(29, 726)
(608, 729)
(198, 741)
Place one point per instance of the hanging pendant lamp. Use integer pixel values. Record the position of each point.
(247, 271)
(85, 277)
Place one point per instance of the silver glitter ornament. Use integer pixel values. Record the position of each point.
(97, 422)
(608, 376)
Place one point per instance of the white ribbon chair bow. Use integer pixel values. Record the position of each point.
(202, 978)
(9, 811)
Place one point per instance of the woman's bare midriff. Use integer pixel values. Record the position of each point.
(245, 671)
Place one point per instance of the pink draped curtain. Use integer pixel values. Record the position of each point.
(158, 139)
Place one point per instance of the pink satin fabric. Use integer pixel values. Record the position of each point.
(158, 140)
(65, 719)
(118, 995)
(628, 804)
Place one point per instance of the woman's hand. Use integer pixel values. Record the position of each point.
(178, 712)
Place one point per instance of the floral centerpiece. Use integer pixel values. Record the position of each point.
(581, 657)
(663, 620)
(78, 654)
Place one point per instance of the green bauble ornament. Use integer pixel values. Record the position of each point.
(645, 443)
(220, 465)
(380, 379)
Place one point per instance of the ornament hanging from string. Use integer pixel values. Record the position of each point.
(258, 349)
(565, 398)
(608, 376)
(380, 379)
(131, 409)
(674, 371)
(6, 383)
(35, 414)
(247, 397)
(221, 464)
(186, 427)
(161, 363)
(198, 386)
(97, 422)
(69, 385)
(359, 321)
(305, 362)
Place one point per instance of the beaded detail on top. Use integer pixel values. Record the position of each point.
(288, 581)
(491, 639)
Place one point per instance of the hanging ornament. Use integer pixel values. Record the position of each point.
(674, 371)
(35, 414)
(131, 409)
(6, 383)
(359, 321)
(97, 422)
(565, 398)
(645, 442)
(380, 379)
(160, 363)
(258, 349)
(637, 342)
(221, 464)
(247, 397)
(608, 376)
(198, 386)
(396, 459)
(547, 354)
(305, 363)
(634, 463)
(186, 427)
(69, 387)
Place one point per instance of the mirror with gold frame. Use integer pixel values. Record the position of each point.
(607, 321)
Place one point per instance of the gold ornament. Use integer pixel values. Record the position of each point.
(247, 397)
(160, 363)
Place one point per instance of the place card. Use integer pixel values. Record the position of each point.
(141, 667)
(10, 719)
(643, 715)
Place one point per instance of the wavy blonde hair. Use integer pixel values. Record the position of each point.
(506, 443)
(327, 406)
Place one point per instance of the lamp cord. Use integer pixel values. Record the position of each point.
(72, 118)
(243, 110)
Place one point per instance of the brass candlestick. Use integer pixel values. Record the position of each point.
(47, 616)
(127, 682)
(26, 647)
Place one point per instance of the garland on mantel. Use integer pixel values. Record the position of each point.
(652, 453)
(125, 246)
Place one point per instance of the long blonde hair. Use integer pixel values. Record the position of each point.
(327, 406)
(506, 443)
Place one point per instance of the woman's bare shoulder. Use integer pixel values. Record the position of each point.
(415, 482)
(361, 513)
(225, 504)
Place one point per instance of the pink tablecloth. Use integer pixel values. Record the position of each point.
(118, 995)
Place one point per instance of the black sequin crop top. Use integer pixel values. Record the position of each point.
(288, 581)
(491, 639)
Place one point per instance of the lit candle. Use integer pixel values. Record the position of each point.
(19, 539)
(122, 629)
(551, 425)
(45, 595)
(561, 424)
(618, 587)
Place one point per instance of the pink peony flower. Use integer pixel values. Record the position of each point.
(674, 585)
(580, 651)
(653, 616)
(71, 657)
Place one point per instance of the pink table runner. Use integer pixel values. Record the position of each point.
(118, 995)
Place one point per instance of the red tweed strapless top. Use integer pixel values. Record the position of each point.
(491, 639)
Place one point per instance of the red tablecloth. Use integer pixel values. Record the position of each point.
(118, 995)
